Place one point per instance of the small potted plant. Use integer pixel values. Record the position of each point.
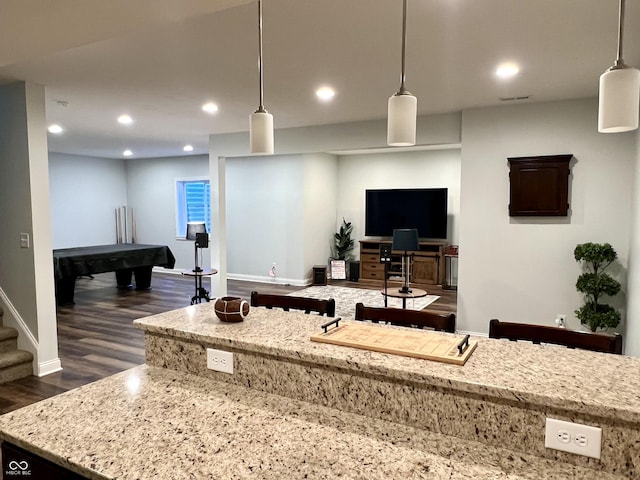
(595, 284)
(342, 247)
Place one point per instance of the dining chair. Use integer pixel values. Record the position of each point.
(287, 302)
(597, 342)
(407, 318)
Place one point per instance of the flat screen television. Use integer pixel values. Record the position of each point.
(421, 208)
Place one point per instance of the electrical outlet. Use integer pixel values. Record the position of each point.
(573, 437)
(219, 360)
(561, 320)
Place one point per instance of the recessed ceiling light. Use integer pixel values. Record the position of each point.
(54, 128)
(210, 107)
(127, 153)
(507, 70)
(125, 119)
(325, 93)
(188, 148)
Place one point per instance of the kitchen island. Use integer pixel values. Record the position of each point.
(299, 409)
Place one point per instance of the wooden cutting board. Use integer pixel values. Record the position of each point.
(400, 341)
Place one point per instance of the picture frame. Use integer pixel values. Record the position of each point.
(338, 269)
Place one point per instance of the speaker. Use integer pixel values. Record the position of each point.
(319, 275)
(202, 240)
(385, 253)
(354, 271)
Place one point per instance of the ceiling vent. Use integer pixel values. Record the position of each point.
(511, 99)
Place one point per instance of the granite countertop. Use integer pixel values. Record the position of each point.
(549, 375)
(156, 423)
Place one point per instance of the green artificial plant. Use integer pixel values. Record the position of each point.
(343, 244)
(595, 283)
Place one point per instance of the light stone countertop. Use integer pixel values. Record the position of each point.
(154, 423)
(551, 376)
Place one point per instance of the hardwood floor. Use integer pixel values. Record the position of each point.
(96, 337)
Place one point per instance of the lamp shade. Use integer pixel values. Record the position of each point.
(619, 100)
(261, 133)
(401, 120)
(405, 239)
(194, 228)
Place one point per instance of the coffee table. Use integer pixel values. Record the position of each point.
(396, 293)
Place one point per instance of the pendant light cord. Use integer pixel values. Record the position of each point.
(402, 90)
(619, 62)
(261, 106)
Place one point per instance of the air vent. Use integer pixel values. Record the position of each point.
(511, 99)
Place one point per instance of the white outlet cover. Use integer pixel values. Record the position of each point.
(219, 360)
(582, 439)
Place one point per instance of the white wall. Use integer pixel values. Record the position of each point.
(265, 217)
(632, 337)
(150, 185)
(85, 192)
(522, 269)
(419, 169)
(26, 274)
(321, 181)
(432, 130)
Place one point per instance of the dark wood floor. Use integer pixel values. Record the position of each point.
(97, 339)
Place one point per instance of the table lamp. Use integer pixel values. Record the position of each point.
(405, 239)
(197, 231)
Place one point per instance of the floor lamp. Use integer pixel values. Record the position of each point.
(405, 239)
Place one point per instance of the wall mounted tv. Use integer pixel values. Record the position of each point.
(421, 208)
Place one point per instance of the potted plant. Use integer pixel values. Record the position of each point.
(342, 247)
(595, 283)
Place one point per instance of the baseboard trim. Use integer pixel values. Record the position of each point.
(296, 282)
(48, 367)
(17, 322)
(172, 271)
(272, 280)
(473, 334)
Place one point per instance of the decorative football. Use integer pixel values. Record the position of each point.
(231, 309)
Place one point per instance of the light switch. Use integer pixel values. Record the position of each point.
(24, 240)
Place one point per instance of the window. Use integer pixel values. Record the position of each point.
(193, 204)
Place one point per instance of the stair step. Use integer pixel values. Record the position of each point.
(14, 365)
(8, 339)
(7, 333)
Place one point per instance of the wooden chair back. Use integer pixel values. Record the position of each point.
(288, 302)
(407, 318)
(598, 342)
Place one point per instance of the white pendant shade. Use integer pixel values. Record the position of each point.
(619, 100)
(401, 120)
(261, 133)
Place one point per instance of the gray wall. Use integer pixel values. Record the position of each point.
(26, 274)
(151, 192)
(509, 268)
(321, 220)
(419, 169)
(85, 193)
(522, 269)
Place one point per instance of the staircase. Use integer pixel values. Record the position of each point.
(14, 363)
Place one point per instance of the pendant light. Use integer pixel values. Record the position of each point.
(261, 121)
(619, 92)
(403, 107)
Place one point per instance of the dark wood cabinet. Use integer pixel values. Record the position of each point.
(539, 186)
(19, 463)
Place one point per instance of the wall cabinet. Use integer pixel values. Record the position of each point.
(539, 186)
(427, 264)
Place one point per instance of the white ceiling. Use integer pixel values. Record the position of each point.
(160, 60)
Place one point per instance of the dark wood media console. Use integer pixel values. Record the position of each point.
(427, 264)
